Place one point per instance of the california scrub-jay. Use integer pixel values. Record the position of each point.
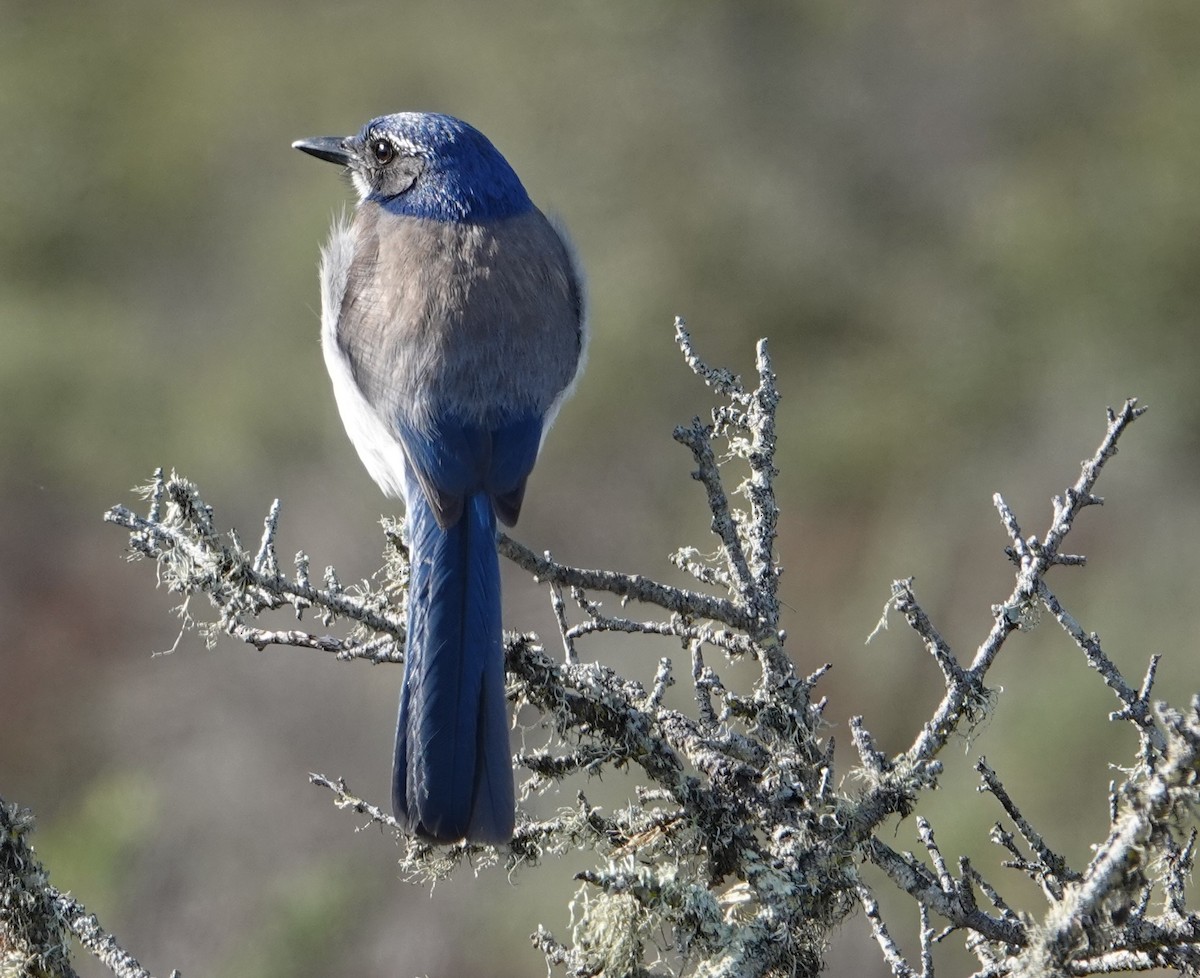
(453, 328)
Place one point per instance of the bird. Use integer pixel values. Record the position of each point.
(453, 328)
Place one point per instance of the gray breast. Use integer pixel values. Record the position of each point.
(479, 321)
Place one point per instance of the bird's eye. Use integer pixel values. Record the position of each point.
(383, 151)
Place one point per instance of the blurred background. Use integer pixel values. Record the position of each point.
(966, 229)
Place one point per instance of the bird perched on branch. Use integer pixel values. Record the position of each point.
(452, 324)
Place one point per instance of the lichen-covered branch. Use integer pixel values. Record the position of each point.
(180, 534)
(741, 848)
(1098, 919)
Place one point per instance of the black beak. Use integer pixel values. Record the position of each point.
(333, 149)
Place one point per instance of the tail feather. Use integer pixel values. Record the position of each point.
(452, 775)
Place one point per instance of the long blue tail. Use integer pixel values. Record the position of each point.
(452, 775)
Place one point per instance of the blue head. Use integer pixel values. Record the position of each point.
(427, 165)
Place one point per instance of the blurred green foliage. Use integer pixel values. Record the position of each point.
(302, 924)
(965, 229)
(99, 839)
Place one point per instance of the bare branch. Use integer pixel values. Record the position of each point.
(1051, 869)
(99, 942)
(631, 586)
(891, 952)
